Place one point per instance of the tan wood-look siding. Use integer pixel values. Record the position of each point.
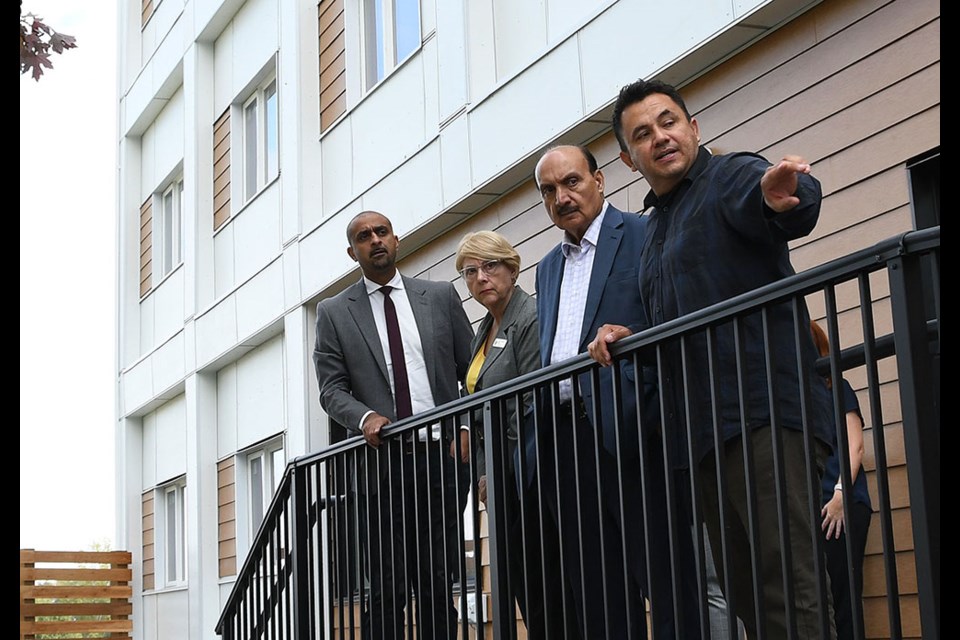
(854, 87)
(149, 552)
(146, 10)
(333, 79)
(221, 170)
(227, 517)
(146, 246)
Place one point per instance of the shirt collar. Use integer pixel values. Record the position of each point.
(396, 282)
(653, 200)
(590, 237)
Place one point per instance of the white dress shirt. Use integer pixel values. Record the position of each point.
(577, 269)
(421, 395)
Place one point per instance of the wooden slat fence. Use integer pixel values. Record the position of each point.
(75, 592)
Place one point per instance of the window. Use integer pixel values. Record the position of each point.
(171, 533)
(391, 32)
(261, 148)
(265, 467)
(169, 229)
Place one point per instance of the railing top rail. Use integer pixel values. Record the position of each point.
(844, 268)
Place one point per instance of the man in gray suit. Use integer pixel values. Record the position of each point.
(387, 348)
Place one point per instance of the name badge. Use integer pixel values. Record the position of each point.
(499, 343)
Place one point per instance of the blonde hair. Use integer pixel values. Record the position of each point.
(488, 245)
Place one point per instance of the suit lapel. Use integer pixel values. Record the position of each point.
(611, 232)
(363, 316)
(509, 318)
(552, 276)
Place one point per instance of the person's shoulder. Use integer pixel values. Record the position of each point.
(737, 161)
(336, 301)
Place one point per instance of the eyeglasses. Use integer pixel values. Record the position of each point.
(487, 266)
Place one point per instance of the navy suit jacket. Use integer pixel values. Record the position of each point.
(613, 298)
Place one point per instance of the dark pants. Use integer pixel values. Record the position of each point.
(408, 544)
(665, 572)
(591, 560)
(806, 602)
(857, 522)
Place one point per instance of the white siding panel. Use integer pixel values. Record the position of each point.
(227, 410)
(148, 172)
(150, 618)
(260, 300)
(256, 30)
(169, 129)
(613, 48)
(216, 330)
(256, 234)
(388, 126)
(147, 320)
(148, 452)
(411, 195)
(530, 110)
(167, 304)
(323, 253)
(452, 56)
(223, 90)
(223, 263)
(137, 385)
(164, 16)
(169, 365)
(336, 171)
(454, 171)
(171, 445)
(260, 393)
(520, 29)
(172, 614)
(563, 16)
(481, 51)
(431, 99)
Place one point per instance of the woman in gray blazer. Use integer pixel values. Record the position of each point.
(507, 345)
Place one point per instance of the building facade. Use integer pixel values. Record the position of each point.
(251, 131)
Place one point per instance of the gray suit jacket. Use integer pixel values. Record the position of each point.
(516, 355)
(351, 370)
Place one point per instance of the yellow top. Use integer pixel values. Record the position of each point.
(473, 373)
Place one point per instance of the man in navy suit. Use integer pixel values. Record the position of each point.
(588, 280)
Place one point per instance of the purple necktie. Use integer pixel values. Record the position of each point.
(401, 386)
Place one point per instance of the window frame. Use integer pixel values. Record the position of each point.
(379, 43)
(165, 548)
(260, 157)
(260, 486)
(171, 238)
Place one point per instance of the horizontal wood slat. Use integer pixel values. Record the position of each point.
(77, 609)
(44, 573)
(221, 169)
(76, 626)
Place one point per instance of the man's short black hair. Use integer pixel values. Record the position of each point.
(634, 93)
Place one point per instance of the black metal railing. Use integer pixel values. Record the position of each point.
(606, 534)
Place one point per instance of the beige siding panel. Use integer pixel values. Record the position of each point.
(874, 574)
(828, 57)
(877, 622)
(226, 517)
(147, 527)
(337, 67)
(146, 11)
(333, 102)
(146, 246)
(334, 110)
(221, 170)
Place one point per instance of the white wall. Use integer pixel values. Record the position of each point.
(250, 394)
(164, 444)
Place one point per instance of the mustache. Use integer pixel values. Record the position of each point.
(567, 209)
